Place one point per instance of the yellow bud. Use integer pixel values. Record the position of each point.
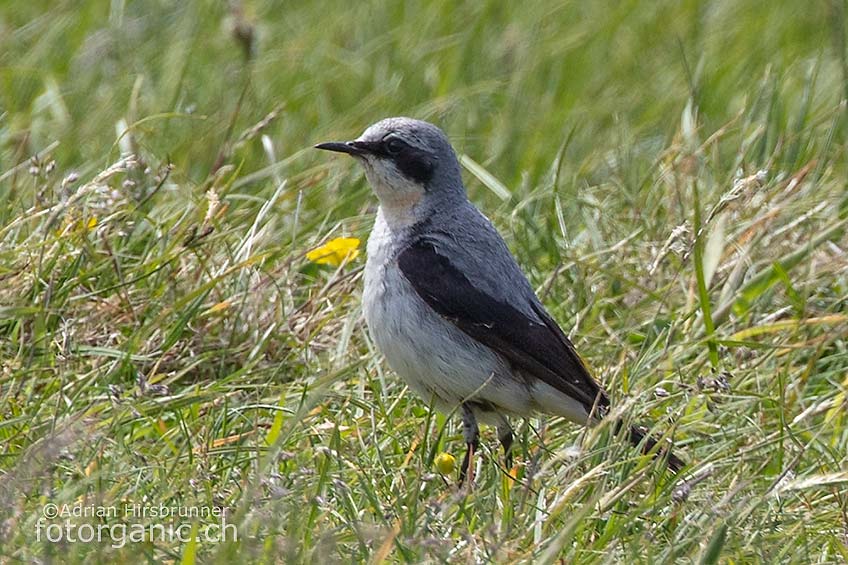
(445, 463)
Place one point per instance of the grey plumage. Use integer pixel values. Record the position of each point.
(446, 302)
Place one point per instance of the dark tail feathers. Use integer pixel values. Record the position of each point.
(639, 436)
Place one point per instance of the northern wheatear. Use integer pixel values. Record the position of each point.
(447, 304)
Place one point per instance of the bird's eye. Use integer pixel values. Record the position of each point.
(394, 146)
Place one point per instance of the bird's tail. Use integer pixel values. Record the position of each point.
(639, 436)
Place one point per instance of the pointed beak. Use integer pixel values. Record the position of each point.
(349, 147)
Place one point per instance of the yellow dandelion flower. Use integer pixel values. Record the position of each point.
(335, 252)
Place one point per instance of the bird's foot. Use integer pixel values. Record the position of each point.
(506, 437)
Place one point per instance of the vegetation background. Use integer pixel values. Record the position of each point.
(671, 174)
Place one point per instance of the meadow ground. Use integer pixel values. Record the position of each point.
(671, 175)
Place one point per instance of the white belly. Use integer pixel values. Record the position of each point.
(437, 360)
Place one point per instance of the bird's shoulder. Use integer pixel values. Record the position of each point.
(467, 241)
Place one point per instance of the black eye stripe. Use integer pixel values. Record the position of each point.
(415, 164)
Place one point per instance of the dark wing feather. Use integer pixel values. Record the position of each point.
(536, 346)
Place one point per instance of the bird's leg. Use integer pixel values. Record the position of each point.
(471, 434)
(505, 436)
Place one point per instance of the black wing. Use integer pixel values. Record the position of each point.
(538, 349)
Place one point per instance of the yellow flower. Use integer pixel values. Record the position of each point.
(335, 251)
(445, 463)
(77, 225)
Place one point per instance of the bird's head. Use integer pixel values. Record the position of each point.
(407, 163)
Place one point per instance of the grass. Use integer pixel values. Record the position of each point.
(671, 175)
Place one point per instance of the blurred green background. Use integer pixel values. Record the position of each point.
(508, 83)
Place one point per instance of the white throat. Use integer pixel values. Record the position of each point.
(400, 197)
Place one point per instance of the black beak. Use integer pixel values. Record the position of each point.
(349, 147)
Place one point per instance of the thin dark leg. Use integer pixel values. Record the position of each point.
(471, 434)
(505, 436)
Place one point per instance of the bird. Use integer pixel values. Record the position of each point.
(448, 305)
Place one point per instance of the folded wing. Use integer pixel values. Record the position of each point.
(536, 346)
